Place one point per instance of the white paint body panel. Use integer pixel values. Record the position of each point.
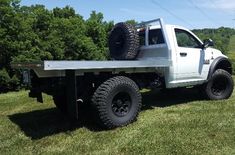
(190, 69)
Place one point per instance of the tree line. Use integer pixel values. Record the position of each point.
(34, 33)
(220, 36)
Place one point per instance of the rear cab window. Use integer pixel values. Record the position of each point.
(155, 37)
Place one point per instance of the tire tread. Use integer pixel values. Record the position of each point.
(100, 97)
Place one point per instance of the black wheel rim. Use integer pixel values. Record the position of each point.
(219, 86)
(121, 104)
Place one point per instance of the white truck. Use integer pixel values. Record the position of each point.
(148, 55)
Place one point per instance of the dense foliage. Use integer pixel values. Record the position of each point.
(35, 33)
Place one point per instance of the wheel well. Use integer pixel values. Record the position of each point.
(220, 63)
(143, 80)
(225, 65)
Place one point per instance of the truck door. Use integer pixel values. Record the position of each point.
(190, 56)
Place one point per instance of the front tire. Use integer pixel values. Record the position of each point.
(220, 86)
(117, 102)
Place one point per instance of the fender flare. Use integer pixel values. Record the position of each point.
(220, 63)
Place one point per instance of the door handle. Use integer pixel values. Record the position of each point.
(183, 54)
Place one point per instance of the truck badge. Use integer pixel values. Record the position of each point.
(207, 61)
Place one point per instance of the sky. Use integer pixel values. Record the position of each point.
(192, 14)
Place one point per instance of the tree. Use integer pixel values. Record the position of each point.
(220, 36)
(95, 29)
(132, 22)
(9, 23)
(66, 12)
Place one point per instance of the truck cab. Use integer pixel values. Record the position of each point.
(190, 57)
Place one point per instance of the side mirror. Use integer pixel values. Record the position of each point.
(207, 43)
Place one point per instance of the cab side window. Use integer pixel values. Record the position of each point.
(185, 39)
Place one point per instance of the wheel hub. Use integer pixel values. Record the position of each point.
(219, 86)
(121, 104)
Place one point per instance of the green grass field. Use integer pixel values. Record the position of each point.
(176, 123)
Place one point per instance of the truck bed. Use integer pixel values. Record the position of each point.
(57, 68)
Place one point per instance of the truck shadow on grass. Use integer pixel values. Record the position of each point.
(170, 97)
(42, 123)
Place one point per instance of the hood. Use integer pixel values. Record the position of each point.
(216, 53)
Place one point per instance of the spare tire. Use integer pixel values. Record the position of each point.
(124, 42)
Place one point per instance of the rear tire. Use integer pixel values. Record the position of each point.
(117, 102)
(220, 86)
(124, 42)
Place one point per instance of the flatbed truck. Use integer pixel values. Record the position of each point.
(148, 55)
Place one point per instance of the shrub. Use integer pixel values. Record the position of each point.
(14, 83)
(7, 83)
(4, 80)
